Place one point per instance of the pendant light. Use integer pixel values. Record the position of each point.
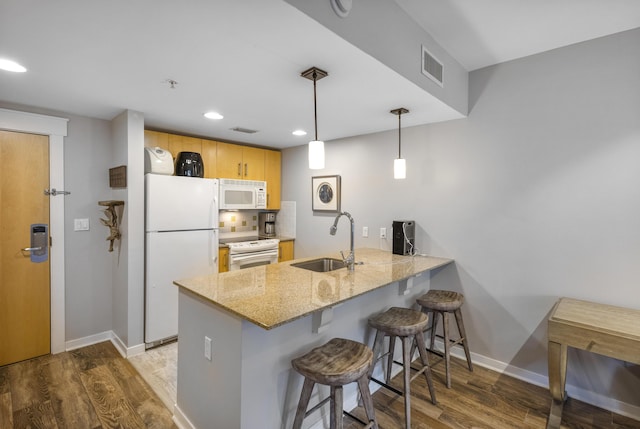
(316, 147)
(399, 164)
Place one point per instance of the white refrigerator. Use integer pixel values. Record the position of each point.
(181, 241)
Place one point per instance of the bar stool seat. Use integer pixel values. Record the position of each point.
(335, 364)
(408, 325)
(443, 303)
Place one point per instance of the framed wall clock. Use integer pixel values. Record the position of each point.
(325, 193)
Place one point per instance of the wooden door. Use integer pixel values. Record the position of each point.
(25, 320)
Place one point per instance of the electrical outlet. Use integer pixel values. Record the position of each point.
(383, 232)
(365, 231)
(207, 348)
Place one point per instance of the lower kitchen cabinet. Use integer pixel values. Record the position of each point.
(285, 251)
(223, 259)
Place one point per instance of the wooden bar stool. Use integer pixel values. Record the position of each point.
(443, 303)
(336, 363)
(409, 325)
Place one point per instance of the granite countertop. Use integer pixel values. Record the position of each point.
(275, 294)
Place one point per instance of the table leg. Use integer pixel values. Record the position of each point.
(557, 379)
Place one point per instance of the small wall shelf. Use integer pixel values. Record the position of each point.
(112, 220)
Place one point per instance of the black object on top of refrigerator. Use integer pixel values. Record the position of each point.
(404, 232)
(189, 164)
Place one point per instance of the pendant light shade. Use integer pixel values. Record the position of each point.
(399, 168)
(316, 147)
(316, 155)
(399, 164)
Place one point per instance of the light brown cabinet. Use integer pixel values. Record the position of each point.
(285, 251)
(227, 160)
(209, 149)
(156, 139)
(240, 162)
(179, 144)
(223, 259)
(272, 174)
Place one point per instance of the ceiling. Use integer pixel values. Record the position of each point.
(244, 59)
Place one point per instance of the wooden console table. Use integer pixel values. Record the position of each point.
(598, 328)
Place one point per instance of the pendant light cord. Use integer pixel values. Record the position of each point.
(399, 137)
(315, 108)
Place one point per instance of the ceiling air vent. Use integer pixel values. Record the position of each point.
(244, 130)
(431, 66)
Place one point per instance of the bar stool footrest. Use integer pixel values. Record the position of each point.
(359, 420)
(383, 384)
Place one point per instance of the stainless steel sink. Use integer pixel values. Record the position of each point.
(321, 265)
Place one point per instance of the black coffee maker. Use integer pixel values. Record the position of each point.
(189, 164)
(404, 232)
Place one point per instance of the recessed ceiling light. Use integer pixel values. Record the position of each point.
(11, 66)
(299, 133)
(213, 115)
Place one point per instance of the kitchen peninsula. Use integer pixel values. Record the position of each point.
(259, 318)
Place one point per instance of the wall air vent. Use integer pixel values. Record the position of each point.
(432, 67)
(244, 130)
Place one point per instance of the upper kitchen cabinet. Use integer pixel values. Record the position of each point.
(240, 162)
(156, 139)
(272, 174)
(209, 149)
(179, 144)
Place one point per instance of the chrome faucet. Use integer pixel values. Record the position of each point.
(349, 260)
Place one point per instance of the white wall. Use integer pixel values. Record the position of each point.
(535, 195)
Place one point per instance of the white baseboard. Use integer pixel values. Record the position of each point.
(180, 419)
(125, 351)
(592, 398)
(87, 341)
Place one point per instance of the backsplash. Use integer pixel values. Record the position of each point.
(238, 221)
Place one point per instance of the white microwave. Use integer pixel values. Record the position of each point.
(242, 194)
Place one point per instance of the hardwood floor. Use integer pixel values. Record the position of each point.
(89, 388)
(95, 388)
(482, 399)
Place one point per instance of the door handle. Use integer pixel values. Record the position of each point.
(246, 170)
(29, 249)
(53, 192)
(239, 169)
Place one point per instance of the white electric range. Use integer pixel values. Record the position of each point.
(246, 252)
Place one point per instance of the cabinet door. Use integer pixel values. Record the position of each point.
(156, 139)
(209, 149)
(179, 144)
(229, 160)
(223, 259)
(285, 251)
(252, 163)
(272, 174)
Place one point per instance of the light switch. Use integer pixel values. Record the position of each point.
(383, 232)
(81, 224)
(365, 231)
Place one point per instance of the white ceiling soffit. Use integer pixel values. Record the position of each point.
(240, 58)
(480, 33)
